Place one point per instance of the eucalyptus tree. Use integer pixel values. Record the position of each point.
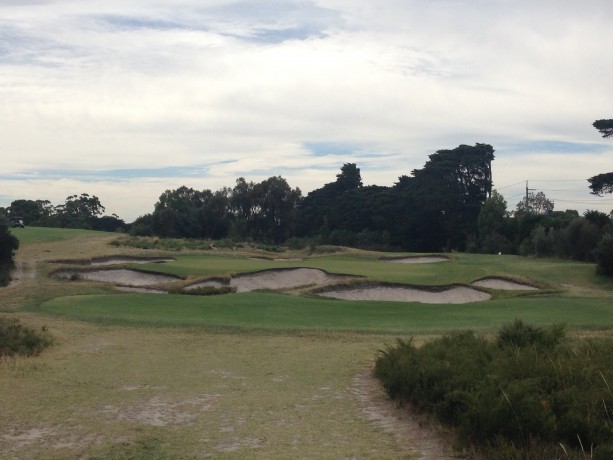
(602, 183)
(443, 199)
(8, 245)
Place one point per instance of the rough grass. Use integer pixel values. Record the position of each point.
(119, 392)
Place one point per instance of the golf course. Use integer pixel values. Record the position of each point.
(239, 351)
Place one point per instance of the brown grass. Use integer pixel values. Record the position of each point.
(105, 391)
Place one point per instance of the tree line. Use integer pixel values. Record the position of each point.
(436, 208)
(447, 205)
(78, 211)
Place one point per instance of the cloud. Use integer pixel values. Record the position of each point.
(97, 93)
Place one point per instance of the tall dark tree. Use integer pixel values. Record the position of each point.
(83, 206)
(448, 193)
(604, 126)
(602, 183)
(245, 208)
(349, 178)
(176, 213)
(31, 211)
(8, 245)
(277, 208)
(321, 207)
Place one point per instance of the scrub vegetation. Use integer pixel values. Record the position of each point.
(528, 393)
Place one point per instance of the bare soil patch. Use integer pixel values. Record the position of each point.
(448, 295)
(503, 284)
(22, 271)
(409, 431)
(158, 411)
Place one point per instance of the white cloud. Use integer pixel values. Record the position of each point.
(233, 88)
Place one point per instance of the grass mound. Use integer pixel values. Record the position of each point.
(17, 339)
(531, 393)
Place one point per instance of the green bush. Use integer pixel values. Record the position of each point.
(530, 393)
(16, 339)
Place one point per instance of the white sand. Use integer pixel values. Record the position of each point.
(121, 277)
(503, 285)
(454, 295)
(281, 279)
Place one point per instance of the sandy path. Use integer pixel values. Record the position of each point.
(428, 444)
(22, 271)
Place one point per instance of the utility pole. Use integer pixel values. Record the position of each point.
(527, 193)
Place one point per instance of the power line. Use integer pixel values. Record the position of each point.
(557, 180)
(507, 186)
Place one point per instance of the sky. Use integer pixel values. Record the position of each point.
(126, 99)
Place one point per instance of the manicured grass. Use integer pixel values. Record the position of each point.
(278, 312)
(463, 268)
(573, 294)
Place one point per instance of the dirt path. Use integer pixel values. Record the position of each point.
(409, 433)
(22, 272)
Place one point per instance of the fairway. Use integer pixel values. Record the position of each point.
(261, 374)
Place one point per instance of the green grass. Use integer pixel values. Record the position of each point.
(30, 235)
(463, 268)
(278, 312)
(572, 293)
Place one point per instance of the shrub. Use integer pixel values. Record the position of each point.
(531, 393)
(16, 339)
(520, 335)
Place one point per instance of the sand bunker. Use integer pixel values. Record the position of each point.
(503, 285)
(451, 295)
(122, 277)
(130, 260)
(115, 260)
(416, 259)
(282, 279)
(274, 279)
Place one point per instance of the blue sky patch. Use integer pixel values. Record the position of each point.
(558, 147)
(132, 22)
(110, 174)
(322, 149)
